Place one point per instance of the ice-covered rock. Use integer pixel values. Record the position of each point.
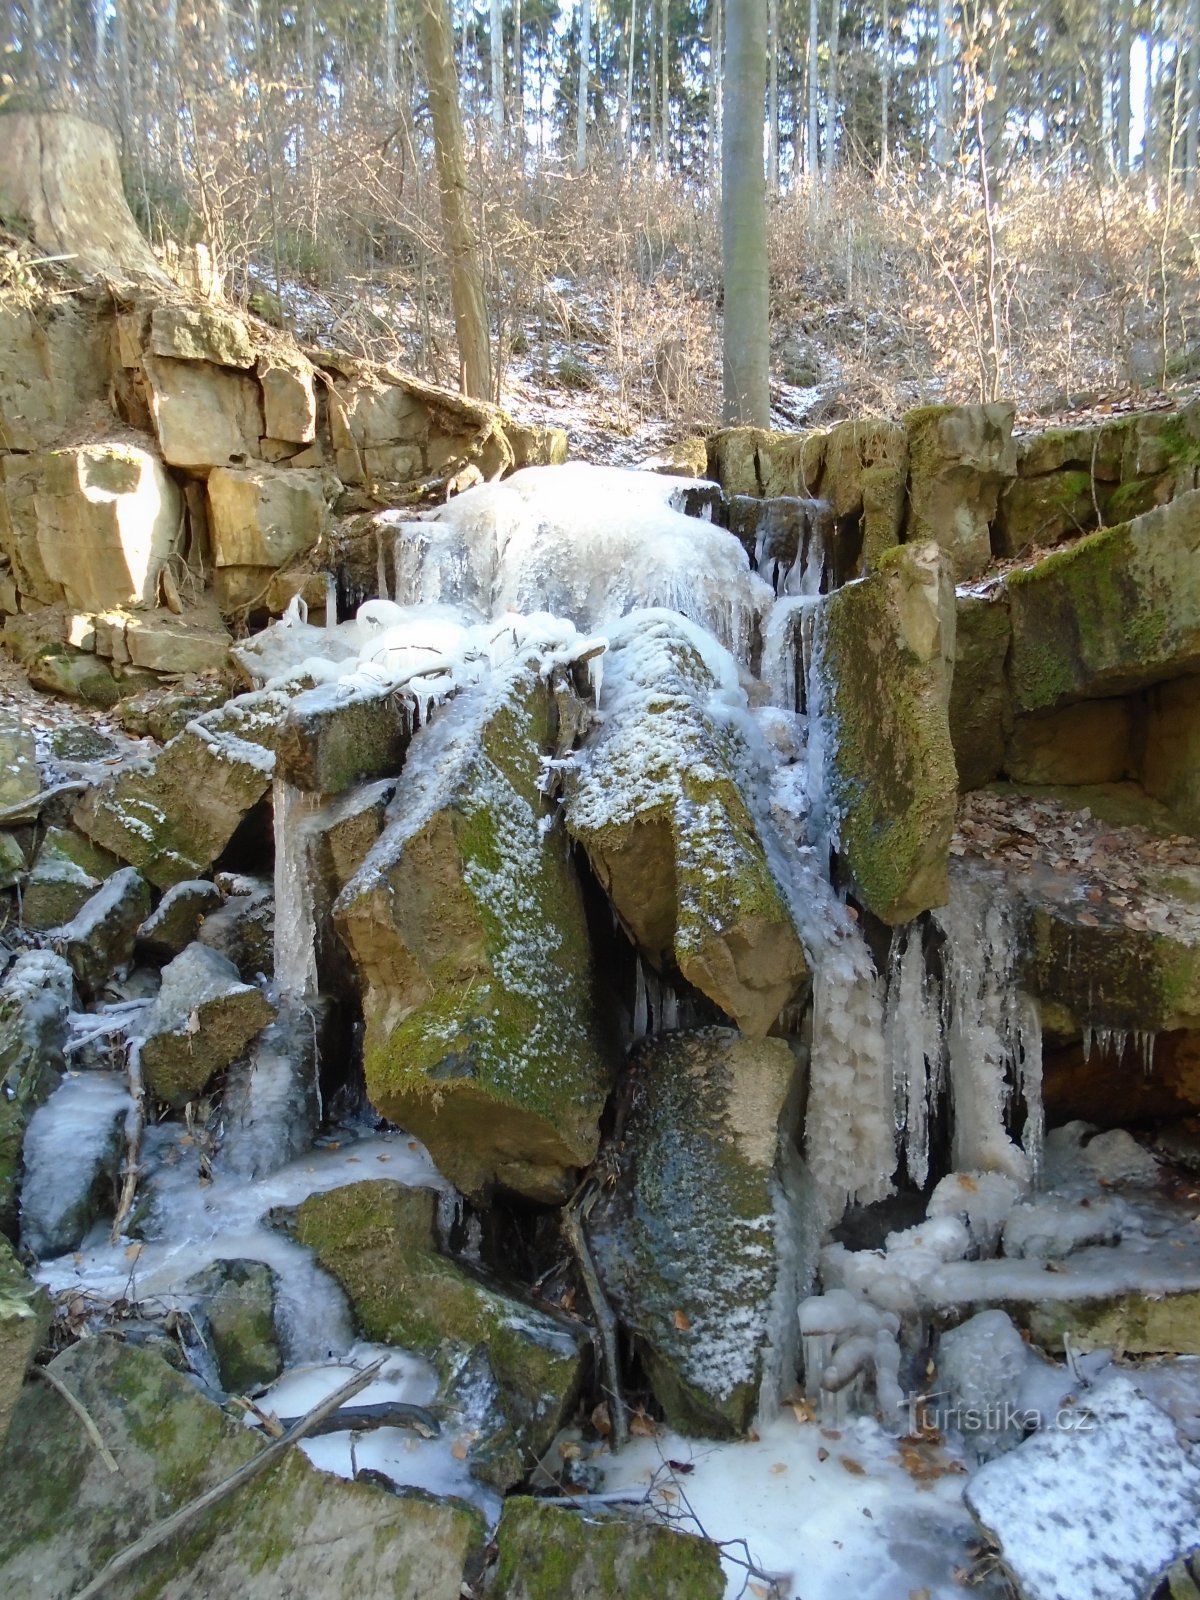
(466, 923)
(35, 1005)
(176, 920)
(709, 1237)
(71, 1153)
(1111, 1476)
(202, 1020)
(659, 799)
(23, 1314)
(980, 1368)
(66, 873)
(1051, 1226)
(100, 937)
(235, 1306)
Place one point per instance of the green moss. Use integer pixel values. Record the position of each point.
(1128, 977)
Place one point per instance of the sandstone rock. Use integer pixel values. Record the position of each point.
(1110, 1088)
(1036, 512)
(173, 817)
(884, 652)
(865, 479)
(1117, 611)
(203, 1019)
(657, 802)
(548, 1553)
(53, 371)
(60, 177)
(709, 1239)
(1169, 756)
(761, 462)
(959, 459)
(337, 737)
(289, 397)
(160, 641)
(236, 1310)
(22, 1322)
(358, 1543)
(99, 938)
(980, 710)
(73, 674)
(20, 477)
(200, 333)
(243, 930)
(467, 925)
(1091, 742)
(20, 779)
(13, 862)
(1144, 978)
(204, 416)
(35, 999)
(176, 920)
(66, 874)
(683, 458)
(263, 516)
(377, 1239)
(163, 715)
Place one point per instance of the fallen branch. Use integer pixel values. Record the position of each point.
(77, 1406)
(606, 1322)
(361, 1419)
(135, 1124)
(170, 1526)
(27, 810)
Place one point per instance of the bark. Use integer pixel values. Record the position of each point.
(496, 43)
(631, 119)
(389, 52)
(885, 62)
(944, 68)
(744, 216)
(1124, 83)
(665, 94)
(814, 131)
(581, 99)
(831, 109)
(466, 279)
(773, 95)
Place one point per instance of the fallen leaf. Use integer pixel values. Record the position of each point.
(133, 1251)
(641, 1426)
(778, 1467)
(822, 1454)
(803, 1411)
(682, 1467)
(459, 1450)
(681, 1320)
(601, 1420)
(853, 1466)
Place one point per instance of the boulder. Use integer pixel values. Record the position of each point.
(108, 517)
(20, 477)
(202, 1020)
(708, 1240)
(338, 736)
(883, 654)
(99, 938)
(172, 816)
(176, 920)
(980, 710)
(200, 333)
(72, 1153)
(66, 873)
(657, 799)
(289, 397)
(235, 1306)
(160, 641)
(960, 457)
(75, 675)
(204, 416)
(53, 371)
(1134, 1324)
(243, 929)
(1169, 756)
(466, 923)
(20, 779)
(981, 1365)
(759, 461)
(389, 426)
(1037, 512)
(865, 480)
(12, 860)
(263, 516)
(547, 1552)
(35, 1000)
(163, 713)
(292, 1530)
(23, 1317)
(1117, 611)
(1089, 742)
(377, 1239)
(1145, 979)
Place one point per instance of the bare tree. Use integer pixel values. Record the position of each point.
(581, 99)
(744, 216)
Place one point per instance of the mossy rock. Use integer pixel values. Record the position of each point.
(1133, 1324)
(74, 675)
(291, 1530)
(1169, 757)
(760, 461)
(1124, 977)
(884, 653)
(708, 1239)
(980, 710)
(65, 875)
(20, 779)
(202, 1020)
(466, 922)
(24, 1318)
(547, 1552)
(1037, 512)
(377, 1239)
(1115, 612)
(236, 1308)
(657, 802)
(960, 457)
(1097, 448)
(1089, 742)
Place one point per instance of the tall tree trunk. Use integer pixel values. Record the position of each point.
(519, 74)
(100, 42)
(885, 64)
(814, 131)
(389, 52)
(744, 217)
(631, 116)
(831, 108)
(944, 74)
(665, 92)
(1193, 144)
(1124, 82)
(466, 278)
(496, 46)
(773, 95)
(581, 99)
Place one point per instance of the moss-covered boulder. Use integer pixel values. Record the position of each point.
(1037, 512)
(1117, 611)
(885, 651)
(202, 1020)
(466, 923)
(960, 457)
(24, 1313)
(66, 873)
(1169, 748)
(292, 1530)
(35, 999)
(377, 1239)
(865, 480)
(759, 461)
(67, 1182)
(1105, 969)
(99, 938)
(172, 817)
(658, 801)
(20, 779)
(333, 740)
(73, 674)
(176, 920)
(235, 1309)
(547, 1552)
(1134, 1324)
(980, 711)
(707, 1241)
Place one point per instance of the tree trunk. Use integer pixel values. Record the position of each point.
(885, 62)
(773, 95)
(581, 99)
(1124, 82)
(944, 71)
(631, 119)
(814, 131)
(831, 108)
(716, 92)
(466, 279)
(496, 48)
(519, 74)
(744, 216)
(665, 94)
(389, 52)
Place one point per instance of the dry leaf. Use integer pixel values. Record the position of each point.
(459, 1450)
(803, 1411)
(601, 1420)
(778, 1466)
(640, 1425)
(681, 1320)
(822, 1454)
(853, 1466)
(133, 1251)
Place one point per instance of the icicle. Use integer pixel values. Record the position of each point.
(331, 601)
(914, 1040)
(295, 930)
(381, 583)
(641, 1011)
(670, 1010)
(1029, 1080)
(782, 653)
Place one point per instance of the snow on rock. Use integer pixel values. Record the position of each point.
(70, 1158)
(1094, 1506)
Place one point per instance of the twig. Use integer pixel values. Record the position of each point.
(606, 1322)
(24, 809)
(361, 1419)
(80, 1411)
(170, 1526)
(135, 1123)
